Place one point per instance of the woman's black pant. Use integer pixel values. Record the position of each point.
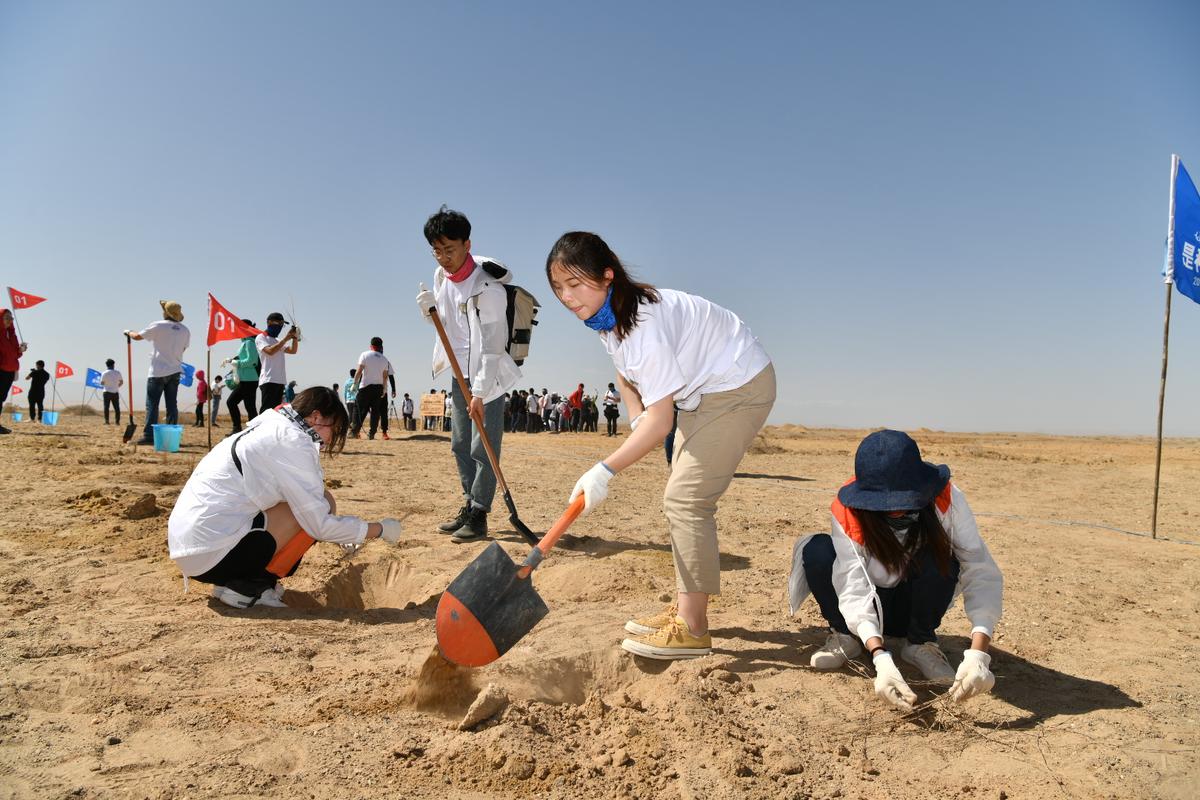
(244, 393)
(272, 395)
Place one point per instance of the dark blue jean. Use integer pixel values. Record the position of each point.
(474, 470)
(157, 389)
(912, 608)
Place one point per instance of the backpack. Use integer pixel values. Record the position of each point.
(521, 313)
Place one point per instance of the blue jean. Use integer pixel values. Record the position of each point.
(156, 389)
(474, 469)
(913, 608)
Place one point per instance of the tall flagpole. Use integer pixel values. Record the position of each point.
(1162, 385)
(207, 398)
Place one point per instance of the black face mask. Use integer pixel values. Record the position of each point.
(274, 330)
(903, 522)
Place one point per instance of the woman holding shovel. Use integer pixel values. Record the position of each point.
(672, 350)
(257, 501)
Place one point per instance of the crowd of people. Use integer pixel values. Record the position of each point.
(902, 542)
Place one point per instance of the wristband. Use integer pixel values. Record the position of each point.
(876, 649)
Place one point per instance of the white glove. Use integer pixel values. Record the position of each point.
(633, 423)
(426, 301)
(973, 676)
(890, 685)
(593, 485)
(391, 530)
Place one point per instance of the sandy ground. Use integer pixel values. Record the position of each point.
(117, 684)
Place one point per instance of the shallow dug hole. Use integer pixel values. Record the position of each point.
(379, 584)
(569, 679)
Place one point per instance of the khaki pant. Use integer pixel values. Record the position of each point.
(709, 444)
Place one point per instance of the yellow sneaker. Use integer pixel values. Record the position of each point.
(674, 640)
(648, 625)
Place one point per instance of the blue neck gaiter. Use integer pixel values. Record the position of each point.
(603, 319)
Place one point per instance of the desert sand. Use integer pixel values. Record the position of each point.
(118, 684)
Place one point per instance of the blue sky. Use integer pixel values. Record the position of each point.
(947, 215)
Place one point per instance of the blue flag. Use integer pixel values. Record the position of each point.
(1184, 258)
(93, 379)
(185, 379)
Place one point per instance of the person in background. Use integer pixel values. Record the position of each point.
(271, 354)
(612, 408)
(169, 338)
(406, 413)
(201, 397)
(370, 384)
(350, 392)
(533, 412)
(575, 401)
(11, 350)
(245, 390)
(38, 377)
(903, 540)
(112, 382)
(289, 391)
(257, 501)
(215, 389)
(670, 350)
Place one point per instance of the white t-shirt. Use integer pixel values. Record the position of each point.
(273, 368)
(375, 367)
(170, 339)
(110, 379)
(281, 464)
(685, 347)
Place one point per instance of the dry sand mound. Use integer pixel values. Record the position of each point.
(117, 684)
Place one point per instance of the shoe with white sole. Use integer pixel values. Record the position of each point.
(673, 641)
(271, 597)
(839, 648)
(644, 626)
(932, 662)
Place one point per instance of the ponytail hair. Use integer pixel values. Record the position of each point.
(586, 256)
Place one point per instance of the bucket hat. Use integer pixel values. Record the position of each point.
(889, 475)
(172, 310)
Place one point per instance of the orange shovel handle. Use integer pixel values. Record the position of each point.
(556, 531)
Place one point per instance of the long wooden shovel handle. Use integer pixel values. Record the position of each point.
(466, 392)
(556, 531)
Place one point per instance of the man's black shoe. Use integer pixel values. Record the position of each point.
(457, 522)
(474, 529)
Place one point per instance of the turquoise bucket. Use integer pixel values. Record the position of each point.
(167, 438)
(18, 416)
(49, 417)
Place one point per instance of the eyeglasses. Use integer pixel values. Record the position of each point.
(441, 255)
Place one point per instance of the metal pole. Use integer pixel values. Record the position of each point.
(207, 399)
(1162, 385)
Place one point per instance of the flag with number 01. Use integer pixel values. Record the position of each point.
(23, 299)
(223, 325)
(1183, 237)
(62, 370)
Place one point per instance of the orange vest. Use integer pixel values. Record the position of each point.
(853, 528)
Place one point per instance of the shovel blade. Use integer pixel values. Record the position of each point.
(486, 610)
(130, 430)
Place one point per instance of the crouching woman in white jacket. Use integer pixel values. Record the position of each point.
(903, 539)
(257, 502)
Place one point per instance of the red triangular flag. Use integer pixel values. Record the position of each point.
(223, 325)
(23, 299)
(62, 370)
(17, 390)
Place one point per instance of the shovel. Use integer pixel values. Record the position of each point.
(521, 527)
(131, 428)
(492, 603)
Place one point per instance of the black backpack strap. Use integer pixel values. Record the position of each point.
(495, 270)
(237, 462)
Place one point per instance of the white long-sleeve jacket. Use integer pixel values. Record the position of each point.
(856, 573)
(280, 464)
(475, 316)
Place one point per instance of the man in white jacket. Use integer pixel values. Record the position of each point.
(472, 304)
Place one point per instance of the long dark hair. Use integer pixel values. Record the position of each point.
(885, 548)
(586, 256)
(325, 401)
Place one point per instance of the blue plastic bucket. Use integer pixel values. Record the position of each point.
(18, 416)
(49, 417)
(167, 438)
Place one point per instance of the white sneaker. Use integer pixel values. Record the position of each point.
(839, 648)
(932, 662)
(231, 598)
(272, 597)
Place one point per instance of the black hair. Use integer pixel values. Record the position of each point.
(110, 363)
(40, 364)
(586, 256)
(353, 371)
(249, 322)
(447, 224)
(325, 401)
(885, 548)
(377, 342)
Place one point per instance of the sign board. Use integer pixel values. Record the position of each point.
(433, 405)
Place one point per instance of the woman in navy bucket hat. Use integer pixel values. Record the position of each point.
(903, 540)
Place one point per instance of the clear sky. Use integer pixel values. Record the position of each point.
(938, 214)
